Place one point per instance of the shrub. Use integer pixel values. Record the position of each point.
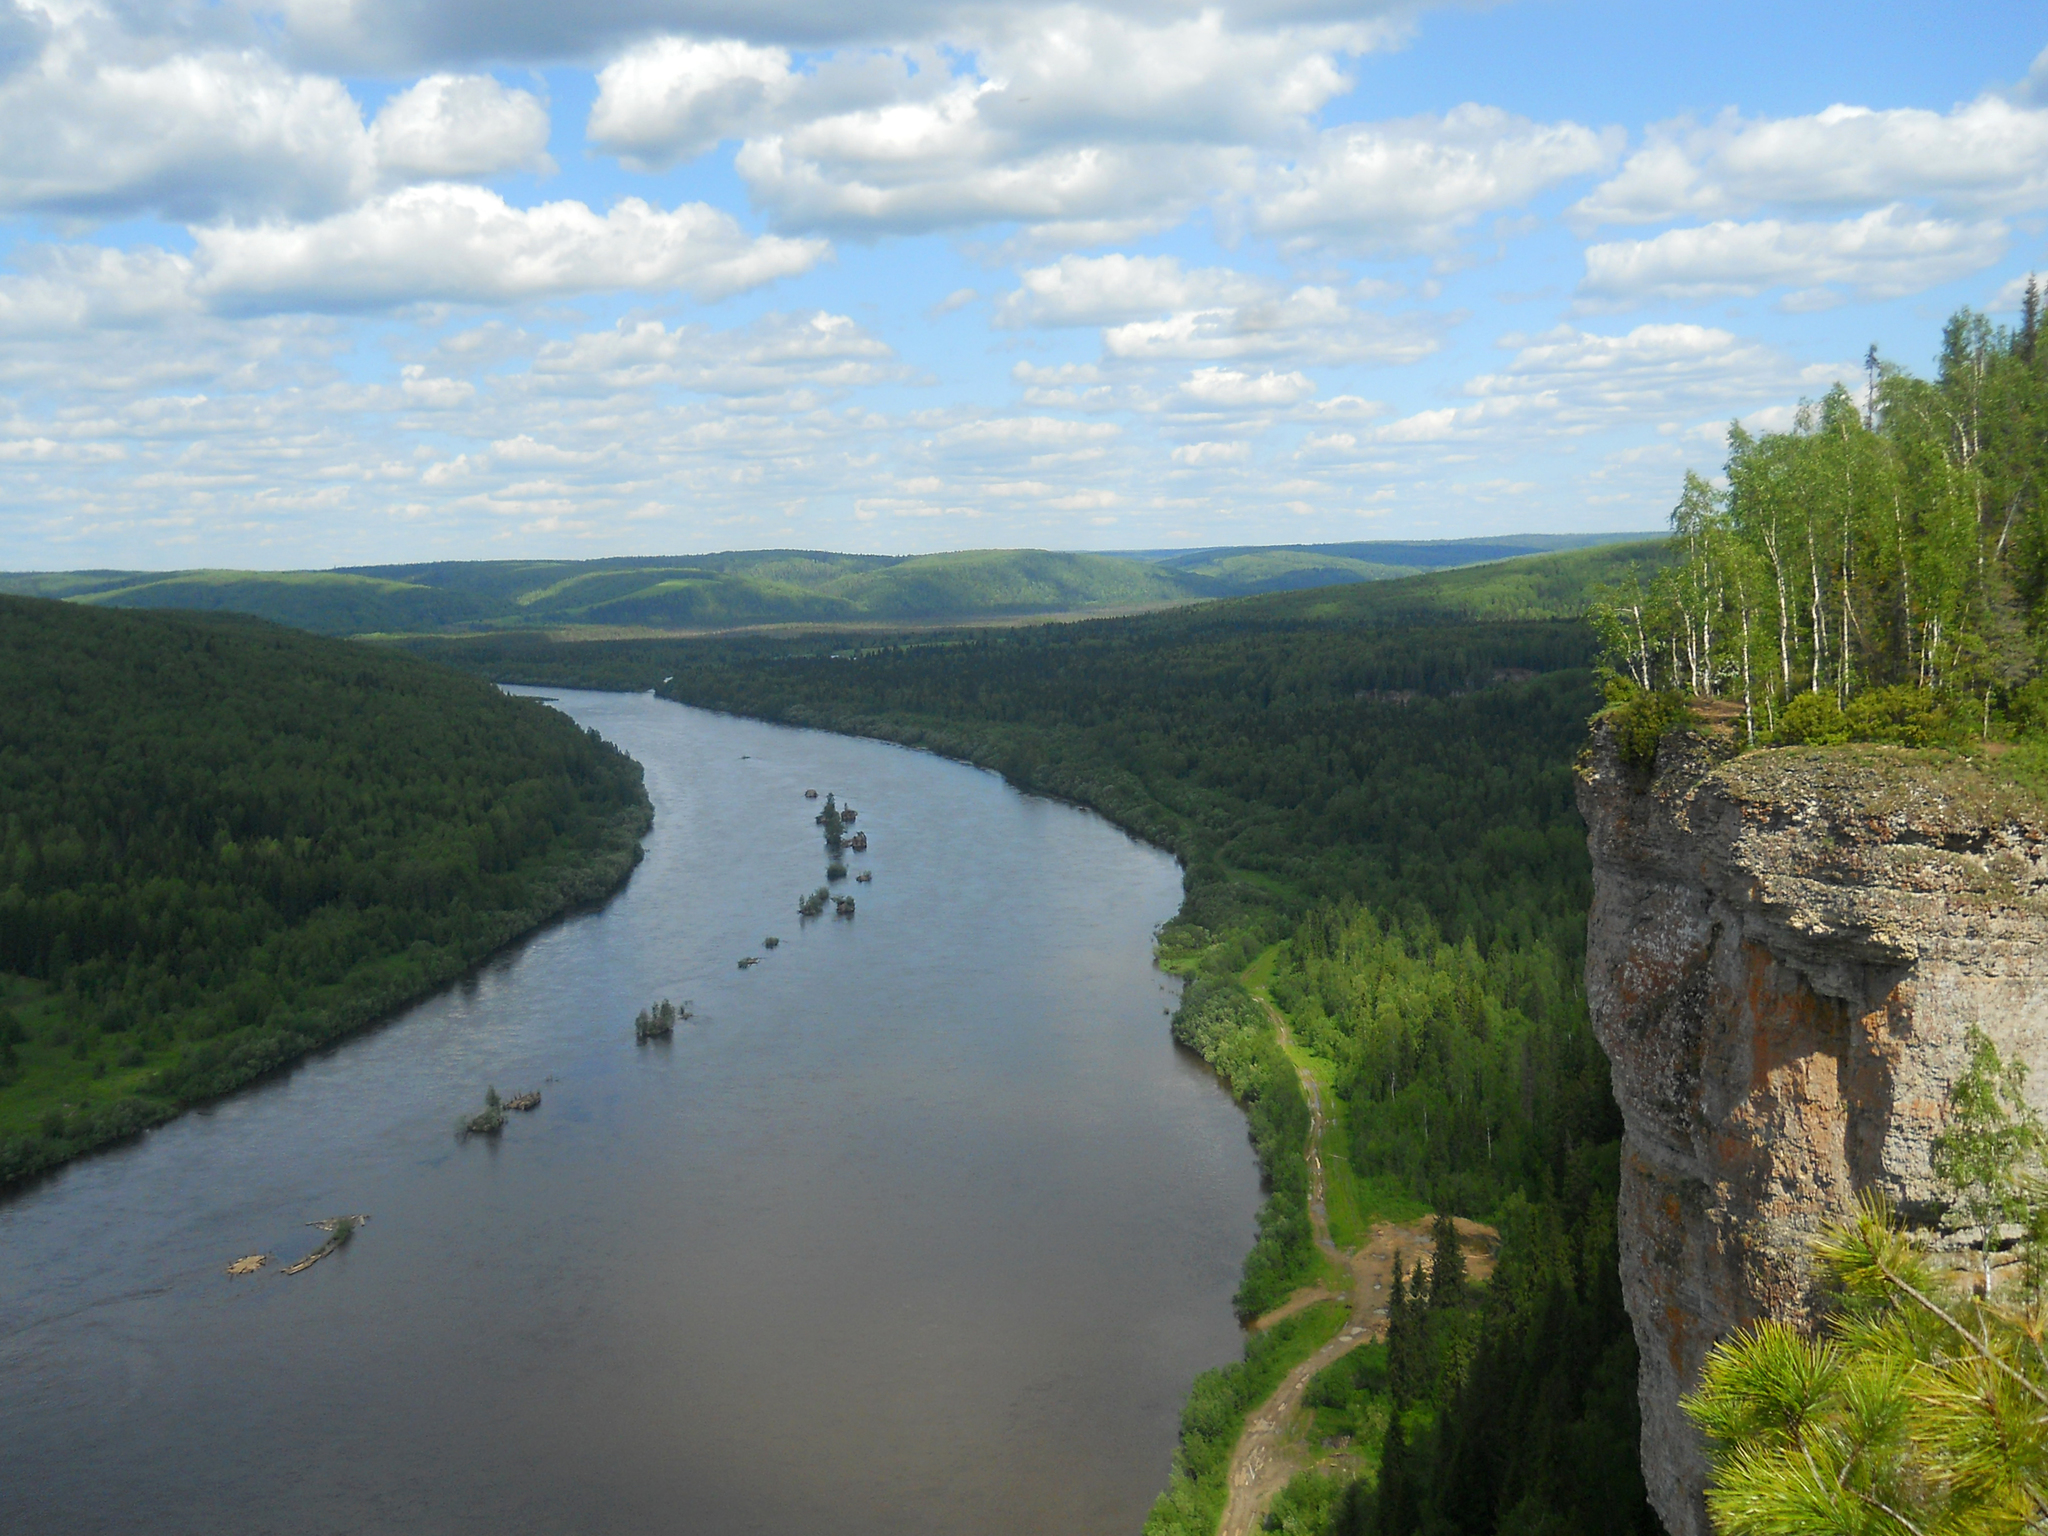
(1812, 720)
(1903, 716)
(1639, 720)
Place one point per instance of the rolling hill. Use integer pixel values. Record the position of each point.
(759, 588)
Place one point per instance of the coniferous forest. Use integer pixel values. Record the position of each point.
(224, 843)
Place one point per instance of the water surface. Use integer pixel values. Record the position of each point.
(922, 1225)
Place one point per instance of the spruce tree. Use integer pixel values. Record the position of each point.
(1446, 1265)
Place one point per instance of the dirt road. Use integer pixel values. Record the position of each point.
(1274, 1445)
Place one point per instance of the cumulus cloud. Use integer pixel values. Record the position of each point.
(123, 125)
(1099, 290)
(673, 98)
(454, 127)
(1315, 323)
(1885, 253)
(70, 290)
(467, 245)
(1203, 455)
(1986, 156)
(1054, 117)
(191, 136)
(1415, 184)
(1230, 388)
(776, 352)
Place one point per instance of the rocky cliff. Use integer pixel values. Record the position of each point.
(1785, 952)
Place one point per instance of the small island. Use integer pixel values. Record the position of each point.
(659, 1021)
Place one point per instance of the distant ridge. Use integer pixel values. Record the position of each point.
(754, 588)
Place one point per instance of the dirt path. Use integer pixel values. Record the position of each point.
(1273, 1446)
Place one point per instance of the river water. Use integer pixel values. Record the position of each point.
(921, 1225)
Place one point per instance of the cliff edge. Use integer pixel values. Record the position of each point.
(1784, 954)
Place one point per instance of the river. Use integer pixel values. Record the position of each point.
(921, 1225)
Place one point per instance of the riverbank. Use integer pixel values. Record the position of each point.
(50, 1115)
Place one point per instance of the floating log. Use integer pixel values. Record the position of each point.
(339, 1230)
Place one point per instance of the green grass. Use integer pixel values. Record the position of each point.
(62, 1067)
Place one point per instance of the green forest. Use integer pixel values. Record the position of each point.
(224, 843)
(1371, 789)
(1878, 572)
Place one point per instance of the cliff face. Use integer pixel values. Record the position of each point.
(1785, 952)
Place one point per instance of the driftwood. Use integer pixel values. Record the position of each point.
(524, 1100)
(339, 1230)
(250, 1265)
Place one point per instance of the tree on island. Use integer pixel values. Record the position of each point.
(834, 828)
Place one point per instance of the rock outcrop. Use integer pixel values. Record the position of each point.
(1785, 954)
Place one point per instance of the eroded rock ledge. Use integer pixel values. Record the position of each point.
(1785, 952)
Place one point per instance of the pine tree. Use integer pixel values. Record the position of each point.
(1446, 1266)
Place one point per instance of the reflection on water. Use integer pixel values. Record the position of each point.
(921, 1225)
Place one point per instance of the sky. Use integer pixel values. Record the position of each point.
(302, 283)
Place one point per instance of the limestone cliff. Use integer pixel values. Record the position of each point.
(1785, 952)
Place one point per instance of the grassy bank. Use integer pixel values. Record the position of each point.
(1218, 1403)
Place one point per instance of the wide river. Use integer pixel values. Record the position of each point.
(921, 1225)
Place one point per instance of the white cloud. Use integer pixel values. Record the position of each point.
(190, 136)
(1228, 387)
(453, 127)
(1418, 183)
(1885, 253)
(1202, 455)
(1312, 324)
(776, 352)
(1084, 290)
(673, 98)
(1986, 156)
(467, 245)
(1088, 125)
(69, 290)
(1027, 432)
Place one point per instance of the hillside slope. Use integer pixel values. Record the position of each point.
(750, 588)
(225, 842)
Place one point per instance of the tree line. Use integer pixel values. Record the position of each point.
(1893, 544)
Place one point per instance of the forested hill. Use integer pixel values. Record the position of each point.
(754, 588)
(1371, 786)
(223, 843)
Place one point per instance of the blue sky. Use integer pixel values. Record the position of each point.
(331, 282)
